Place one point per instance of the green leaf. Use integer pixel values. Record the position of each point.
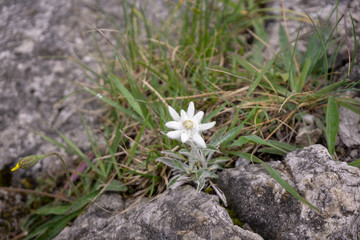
(332, 124)
(73, 146)
(116, 186)
(173, 181)
(208, 174)
(30, 221)
(112, 150)
(182, 166)
(203, 173)
(326, 65)
(115, 105)
(276, 176)
(43, 227)
(217, 138)
(136, 142)
(245, 64)
(219, 160)
(241, 141)
(328, 89)
(350, 107)
(174, 163)
(210, 115)
(50, 209)
(200, 184)
(354, 41)
(173, 155)
(231, 134)
(56, 143)
(355, 163)
(287, 56)
(128, 96)
(256, 139)
(59, 225)
(94, 146)
(259, 77)
(284, 146)
(272, 151)
(258, 46)
(304, 74)
(82, 201)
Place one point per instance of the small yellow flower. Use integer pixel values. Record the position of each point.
(28, 162)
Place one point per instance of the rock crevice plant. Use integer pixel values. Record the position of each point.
(29, 161)
(195, 163)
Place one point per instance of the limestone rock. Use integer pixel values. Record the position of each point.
(348, 127)
(176, 214)
(37, 38)
(308, 133)
(333, 187)
(307, 136)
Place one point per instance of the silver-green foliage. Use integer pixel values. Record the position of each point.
(195, 165)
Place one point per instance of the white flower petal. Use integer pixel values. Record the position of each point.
(174, 134)
(198, 117)
(191, 110)
(174, 125)
(206, 126)
(184, 137)
(198, 140)
(174, 114)
(184, 116)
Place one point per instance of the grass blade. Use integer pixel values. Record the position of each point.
(116, 186)
(355, 163)
(332, 124)
(129, 97)
(82, 201)
(328, 88)
(42, 228)
(115, 105)
(350, 107)
(326, 66)
(287, 56)
(259, 77)
(304, 75)
(51, 209)
(59, 225)
(253, 138)
(80, 153)
(93, 145)
(56, 143)
(136, 142)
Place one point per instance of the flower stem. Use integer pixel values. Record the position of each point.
(66, 170)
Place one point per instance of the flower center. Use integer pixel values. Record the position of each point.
(188, 124)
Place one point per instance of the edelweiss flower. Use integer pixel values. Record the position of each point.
(188, 126)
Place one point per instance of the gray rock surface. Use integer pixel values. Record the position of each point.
(308, 134)
(348, 127)
(37, 37)
(176, 214)
(333, 187)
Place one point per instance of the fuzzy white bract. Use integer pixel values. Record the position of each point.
(188, 126)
